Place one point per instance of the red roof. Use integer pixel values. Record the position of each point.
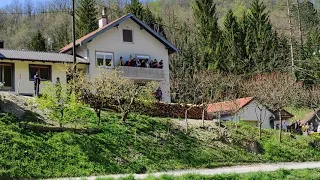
(78, 41)
(229, 106)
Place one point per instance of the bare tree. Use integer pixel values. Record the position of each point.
(276, 90)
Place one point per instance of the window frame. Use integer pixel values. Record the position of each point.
(12, 65)
(39, 67)
(104, 53)
(128, 29)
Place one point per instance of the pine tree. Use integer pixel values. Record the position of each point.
(145, 14)
(233, 44)
(136, 8)
(38, 43)
(309, 69)
(261, 40)
(209, 34)
(86, 17)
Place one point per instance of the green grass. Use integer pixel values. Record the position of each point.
(308, 174)
(140, 145)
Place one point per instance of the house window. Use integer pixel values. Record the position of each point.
(43, 70)
(127, 35)
(104, 59)
(6, 75)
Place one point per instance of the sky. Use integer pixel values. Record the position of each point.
(7, 2)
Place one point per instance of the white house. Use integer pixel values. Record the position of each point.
(126, 37)
(246, 109)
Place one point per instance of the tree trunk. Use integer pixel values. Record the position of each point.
(186, 120)
(203, 111)
(99, 116)
(60, 124)
(280, 128)
(260, 130)
(124, 116)
(219, 121)
(260, 125)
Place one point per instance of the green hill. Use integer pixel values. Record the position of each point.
(143, 144)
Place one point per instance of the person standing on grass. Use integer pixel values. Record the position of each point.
(37, 81)
(159, 94)
(58, 88)
(284, 126)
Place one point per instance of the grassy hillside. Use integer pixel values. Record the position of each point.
(141, 145)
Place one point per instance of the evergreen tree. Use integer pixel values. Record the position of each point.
(38, 43)
(261, 41)
(309, 69)
(145, 14)
(209, 34)
(233, 43)
(86, 17)
(136, 8)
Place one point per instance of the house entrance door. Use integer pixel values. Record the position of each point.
(6, 75)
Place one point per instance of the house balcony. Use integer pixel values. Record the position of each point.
(141, 73)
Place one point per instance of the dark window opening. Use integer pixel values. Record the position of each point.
(127, 35)
(43, 70)
(6, 75)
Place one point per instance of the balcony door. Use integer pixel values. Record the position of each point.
(6, 75)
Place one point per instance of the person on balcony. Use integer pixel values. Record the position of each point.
(155, 63)
(160, 65)
(139, 63)
(120, 62)
(133, 62)
(143, 63)
(128, 63)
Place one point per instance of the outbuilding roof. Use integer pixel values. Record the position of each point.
(115, 23)
(23, 55)
(229, 106)
(310, 115)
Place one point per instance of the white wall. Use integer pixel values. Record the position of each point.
(143, 43)
(26, 85)
(251, 112)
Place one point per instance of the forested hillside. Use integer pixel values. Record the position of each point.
(241, 37)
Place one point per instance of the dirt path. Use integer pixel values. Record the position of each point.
(223, 170)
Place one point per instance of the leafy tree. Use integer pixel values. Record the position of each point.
(62, 105)
(38, 43)
(206, 22)
(112, 89)
(86, 14)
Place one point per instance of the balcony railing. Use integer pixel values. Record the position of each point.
(142, 73)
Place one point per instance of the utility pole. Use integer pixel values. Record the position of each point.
(300, 32)
(74, 38)
(290, 38)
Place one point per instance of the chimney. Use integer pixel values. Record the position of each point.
(103, 20)
(1, 44)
